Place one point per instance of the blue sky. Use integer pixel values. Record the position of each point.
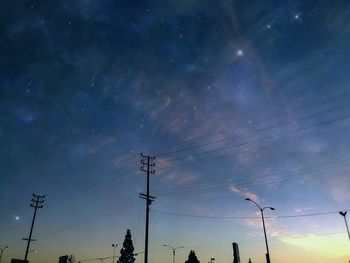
(235, 99)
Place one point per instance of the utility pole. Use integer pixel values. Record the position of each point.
(37, 202)
(147, 166)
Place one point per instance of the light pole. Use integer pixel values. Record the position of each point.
(2, 251)
(173, 249)
(262, 217)
(343, 213)
(114, 247)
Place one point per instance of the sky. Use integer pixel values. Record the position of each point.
(236, 99)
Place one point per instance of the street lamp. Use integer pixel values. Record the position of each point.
(173, 249)
(2, 251)
(262, 217)
(343, 213)
(114, 247)
(211, 260)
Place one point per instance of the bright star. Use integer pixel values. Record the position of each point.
(17, 218)
(296, 16)
(268, 26)
(239, 52)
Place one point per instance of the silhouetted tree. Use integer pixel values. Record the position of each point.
(192, 258)
(127, 252)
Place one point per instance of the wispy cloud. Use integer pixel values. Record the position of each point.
(243, 192)
(181, 177)
(339, 188)
(101, 144)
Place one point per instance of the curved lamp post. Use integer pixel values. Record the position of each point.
(262, 217)
(173, 249)
(343, 213)
(114, 247)
(2, 251)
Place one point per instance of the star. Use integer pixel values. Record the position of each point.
(296, 16)
(17, 218)
(239, 52)
(268, 26)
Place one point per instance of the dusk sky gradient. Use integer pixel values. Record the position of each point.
(235, 98)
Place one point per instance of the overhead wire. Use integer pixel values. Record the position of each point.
(64, 190)
(256, 140)
(246, 217)
(253, 122)
(226, 155)
(282, 176)
(107, 212)
(272, 137)
(130, 156)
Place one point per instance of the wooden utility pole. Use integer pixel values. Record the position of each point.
(37, 202)
(147, 166)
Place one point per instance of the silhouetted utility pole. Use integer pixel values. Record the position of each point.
(37, 202)
(343, 213)
(147, 166)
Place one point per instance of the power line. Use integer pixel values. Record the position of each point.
(78, 188)
(262, 139)
(225, 156)
(126, 204)
(61, 191)
(253, 122)
(282, 176)
(255, 131)
(245, 217)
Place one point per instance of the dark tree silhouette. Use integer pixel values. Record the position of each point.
(127, 252)
(192, 258)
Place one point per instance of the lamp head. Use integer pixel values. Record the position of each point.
(343, 213)
(271, 208)
(248, 199)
